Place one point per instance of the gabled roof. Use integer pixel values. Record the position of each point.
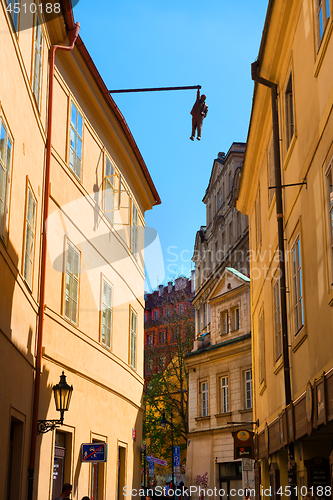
(221, 288)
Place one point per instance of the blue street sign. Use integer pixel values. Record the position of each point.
(176, 456)
(151, 469)
(93, 452)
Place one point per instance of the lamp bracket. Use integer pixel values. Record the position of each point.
(44, 426)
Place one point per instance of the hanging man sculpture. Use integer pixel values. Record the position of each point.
(199, 112)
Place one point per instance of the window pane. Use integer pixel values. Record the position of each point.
(109, 170)
(79, 124)
(2, 142)
(73, 116)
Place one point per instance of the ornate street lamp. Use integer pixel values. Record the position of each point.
(62, 397)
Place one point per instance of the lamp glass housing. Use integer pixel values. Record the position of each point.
(62, 394)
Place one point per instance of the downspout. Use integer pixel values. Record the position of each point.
(279, 216)
(72, 36)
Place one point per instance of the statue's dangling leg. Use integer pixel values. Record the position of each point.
(194, 126)
(199, 127)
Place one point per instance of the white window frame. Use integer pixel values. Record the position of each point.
(106, 309)
(248, 389)
(134, 229)
(329, 205)
(133, 338)
(204, 399)
(13, 12)
(155, 314)
(297, 282)
(109, 189)
(163, 337)
(75, 138)
(6, 159)
(224, 319)
(277, 318)
(29, 236)
(322, 14)
(71, 278)
(261, 325)
(224, 394)
(289, 110)
(37, 69)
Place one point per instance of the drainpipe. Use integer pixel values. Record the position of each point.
(283, 289)
(72, 36)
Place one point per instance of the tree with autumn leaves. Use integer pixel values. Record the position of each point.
(169, 336)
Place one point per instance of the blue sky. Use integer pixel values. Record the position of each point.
(187, 42)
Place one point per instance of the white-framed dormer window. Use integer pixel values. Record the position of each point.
(224, 394)
(37, 60)
(204, 398)
(297, 280)
(322, 13)
(6, 147)
(106, 314)
(75, 140)
(224, 319)
(248, 389)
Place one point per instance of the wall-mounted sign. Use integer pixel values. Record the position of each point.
(243, 444)
(309, 407)
(134, 434)
(93, 452)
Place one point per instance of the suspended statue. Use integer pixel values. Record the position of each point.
(199, 112)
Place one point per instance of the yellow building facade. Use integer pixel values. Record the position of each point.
(99, 191)
(296, 54)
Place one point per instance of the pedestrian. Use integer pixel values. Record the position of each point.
(85, 498)
(199, 112)
(66, 492)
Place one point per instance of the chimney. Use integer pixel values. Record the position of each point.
(169, 286)
(192, 281)
(160, 290)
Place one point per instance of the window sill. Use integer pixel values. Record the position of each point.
(202, 418)
(330, 298)
(290, 151)
(278, 365)
(299, 338)
(262, 387)
(246, 410)
(227, 414)
(323, 46)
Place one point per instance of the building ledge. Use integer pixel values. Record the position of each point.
(246, 410)
(202, 418)
(228, 414)
(218, 346)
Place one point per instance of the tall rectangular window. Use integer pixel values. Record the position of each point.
(271, 171)
(13, 8)
(224, 322)
(29, 237)
(322, 9)
(248, 389)
(288, 96)
(224, 394)
(72, 282)
(109, 194)
(204, 399)
(106, 313)
(258, 221)
(134, 239)
(5, 171)
(297, 285)
(38, 60)
(235, 318)
(133, 327)
(277, 319)
(329, 204)
(261, 347)
(75, 141)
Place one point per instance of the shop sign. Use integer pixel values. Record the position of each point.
(320, 400)
(243, 444)
(309, 407)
